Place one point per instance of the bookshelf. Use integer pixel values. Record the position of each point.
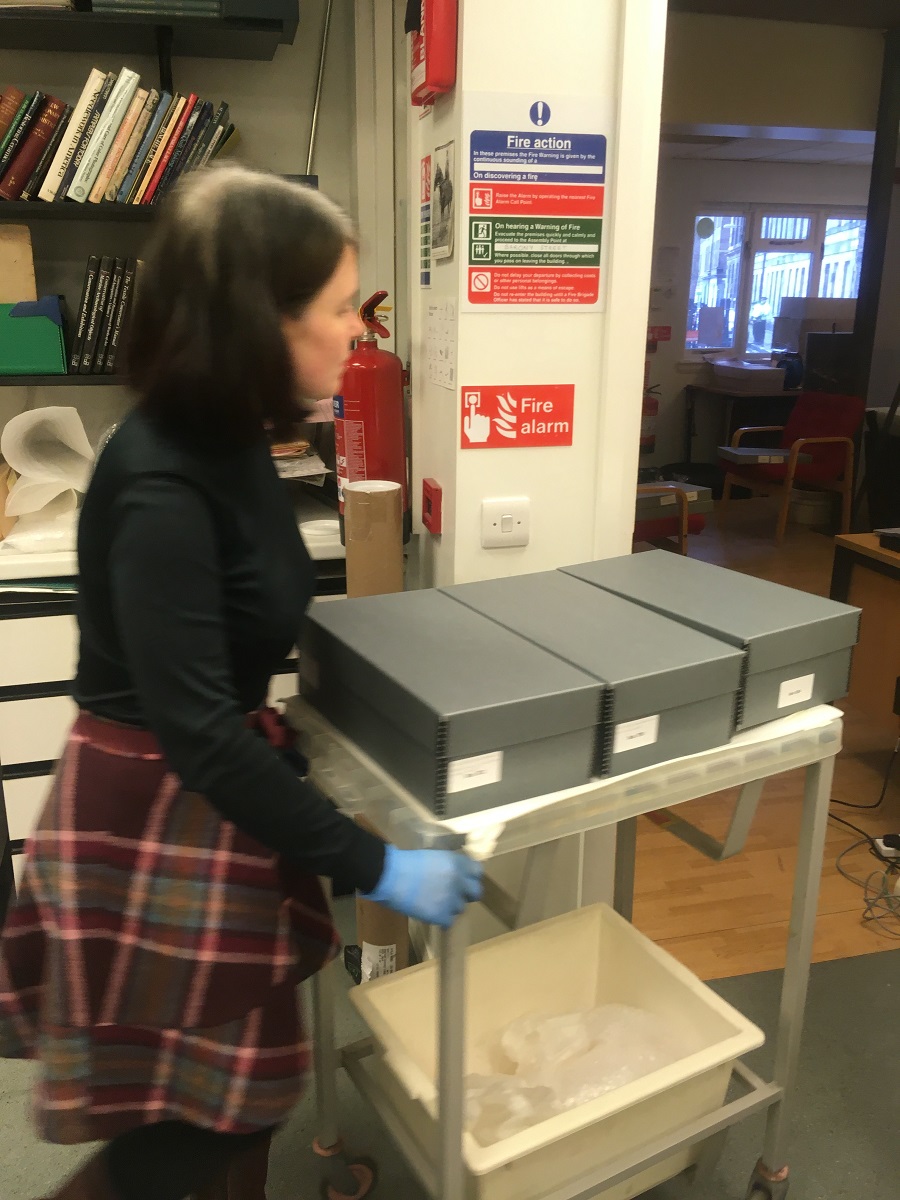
(22, 211)
(250, 31)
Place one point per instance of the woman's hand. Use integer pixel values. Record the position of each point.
(433, 886)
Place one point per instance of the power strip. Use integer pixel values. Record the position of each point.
(889, 845)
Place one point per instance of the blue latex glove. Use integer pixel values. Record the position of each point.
(433, 886)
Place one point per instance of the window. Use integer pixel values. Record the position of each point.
(746, 264)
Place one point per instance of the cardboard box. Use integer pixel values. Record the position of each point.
(797, 646)
(667, 691)
(462, 713)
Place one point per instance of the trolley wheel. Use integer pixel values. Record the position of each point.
(364, 1171)
(765, 1186)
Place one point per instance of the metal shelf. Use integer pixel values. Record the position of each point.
(63, 380)
(40, 210)
(137, 33)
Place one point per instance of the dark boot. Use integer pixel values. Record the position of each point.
(248, 1172)
(92, 1182)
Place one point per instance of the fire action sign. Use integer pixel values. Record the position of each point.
(536, 196)
(504, 418)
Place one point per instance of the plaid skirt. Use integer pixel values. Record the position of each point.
(151, 960)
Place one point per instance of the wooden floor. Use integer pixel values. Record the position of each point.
(731, 918)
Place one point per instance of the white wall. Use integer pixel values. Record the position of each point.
(685, 188)
(271, 104)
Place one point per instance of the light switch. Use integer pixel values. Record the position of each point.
(505, 522)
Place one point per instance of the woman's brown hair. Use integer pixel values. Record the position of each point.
(233, 253)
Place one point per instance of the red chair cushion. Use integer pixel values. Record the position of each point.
(661, 527)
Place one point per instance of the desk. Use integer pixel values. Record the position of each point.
(360, 787)
(739, 408)
(868, 576)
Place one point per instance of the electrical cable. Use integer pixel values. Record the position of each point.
(881, 906)
(884, 787)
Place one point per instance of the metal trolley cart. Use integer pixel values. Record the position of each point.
(810, 739)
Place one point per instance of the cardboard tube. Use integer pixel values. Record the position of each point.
(373, 523)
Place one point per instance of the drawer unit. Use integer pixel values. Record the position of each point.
(37, 650)
(34, 730)
(25, 799)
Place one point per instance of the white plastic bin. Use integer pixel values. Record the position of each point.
(576, 961)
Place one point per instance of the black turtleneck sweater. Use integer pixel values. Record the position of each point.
(193, 584)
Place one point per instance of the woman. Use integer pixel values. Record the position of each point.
(170, 902)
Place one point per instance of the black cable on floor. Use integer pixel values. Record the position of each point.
(884, 787)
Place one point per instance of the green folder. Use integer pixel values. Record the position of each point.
(31, 338)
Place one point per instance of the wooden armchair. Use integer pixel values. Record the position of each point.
(816, 451)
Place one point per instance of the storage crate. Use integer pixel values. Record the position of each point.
(577, 961)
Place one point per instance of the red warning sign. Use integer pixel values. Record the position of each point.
(550, 200)
(504, 418)
(523, 285)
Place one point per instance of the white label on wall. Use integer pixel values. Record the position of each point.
(378, 961)
(796, 691)
(631, 735)
(466, 773)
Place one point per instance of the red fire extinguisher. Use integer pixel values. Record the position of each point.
(433, 51)
(649, 414)
(369, 415)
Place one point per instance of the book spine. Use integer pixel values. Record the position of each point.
(31, 149)
(117, 149)
(131, 146)
(169, 174)
(85, 136)
(84, 312)
(11, 100)
(39, 174)
(228, 142)
(109, 316)
(181, 167)
(134, 172)
(159, 144)
(196, 155)
(104, 135)
(129, 280)
(80, 114)
(170, 148)
(14, 124)
(98, 307)
(218, 134)
(22, 130)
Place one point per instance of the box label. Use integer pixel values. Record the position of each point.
(479, 771)
(378, 961)
(631, 735)
(796, 691)
(506, 417)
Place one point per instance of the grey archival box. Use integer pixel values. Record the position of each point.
(464, 714)
(668, 691)
(797, 646)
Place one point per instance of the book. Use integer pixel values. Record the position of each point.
(203, 119)
(85, 136)
(39, 174)
(14, 121)
(218, 134)
(185, 143)
(104, 135)
(10, 103)
(109, 316)
(166, 156)
(143, 151)
(129, 286)
(162, 141)
(95, 319)
(80, 113)
(196, 155)
(32, 147)
(159, 142)
(116, 150)
(19, 133)
(131, 146)
(84, 312)
(228, 143)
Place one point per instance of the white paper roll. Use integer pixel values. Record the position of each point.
(50, 452)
